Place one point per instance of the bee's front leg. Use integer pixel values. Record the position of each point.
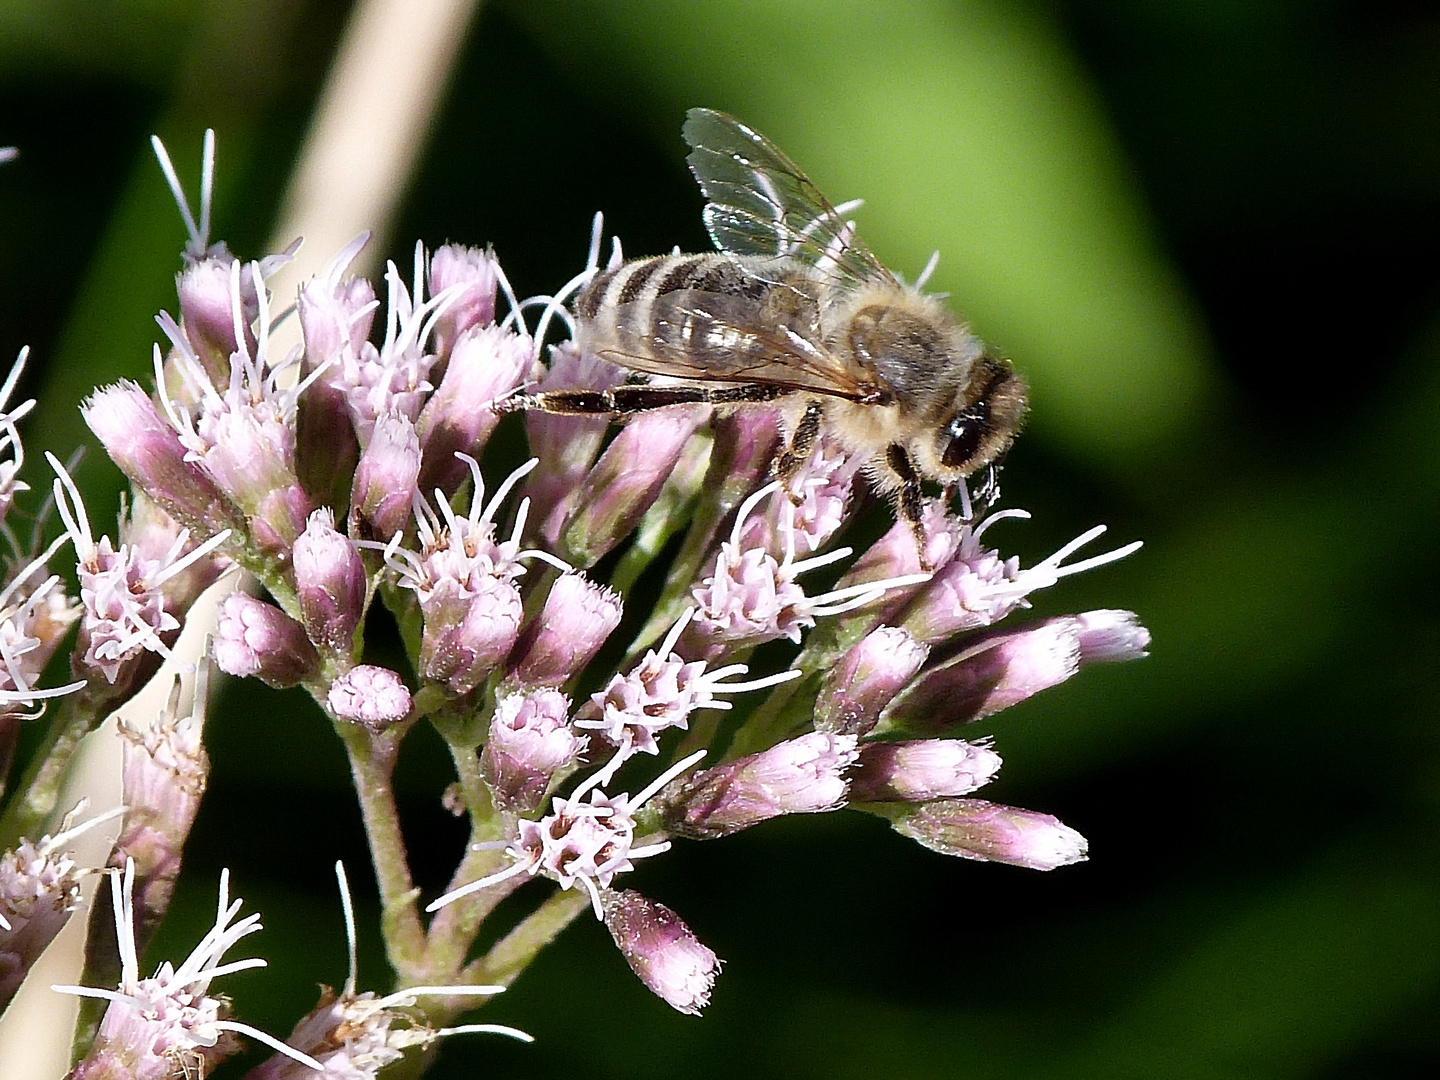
(789, 461)
(908, 498)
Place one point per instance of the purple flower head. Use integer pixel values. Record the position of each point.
(810, 507)
(660, 693)
(386, 484)
(976, 829)
(331, 582)
(34, 619)
(469, 277)
(486, 364)
(921, 770)
(752, 597)
(254, 638)
(558, 643)
(804, 775)
(978, 587)
(530, 741)
(865, 680)
(469, 630)
(374, 697)
(661, 950)
(125, 611)
(336, 312)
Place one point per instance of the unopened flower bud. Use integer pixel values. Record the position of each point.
(565, 445)
(1111, 636)
(921, 770)
(486, 364)
(530, 741)
(149, 452)
(469, 277)
(469, 632)
(990, 832)
(1008, 668)
(256, 638)
(866, 679)
(661, 950)
(626, 480)
(330, 579)
(800, 776)
(577, 618)
(207, 311)
(386, 479)
(375, 697)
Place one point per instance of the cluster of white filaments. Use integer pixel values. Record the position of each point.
(124, 605)
(660, 693)
(172, 1013)
(456, 548)
(23, 652)
(752, 596)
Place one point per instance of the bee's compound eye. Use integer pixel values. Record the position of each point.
(962, 436)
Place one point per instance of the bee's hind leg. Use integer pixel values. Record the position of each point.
(789, 461)
(908, 498)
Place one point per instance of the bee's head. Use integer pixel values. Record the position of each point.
(981, 424)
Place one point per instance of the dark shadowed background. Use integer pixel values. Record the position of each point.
(1209, 233)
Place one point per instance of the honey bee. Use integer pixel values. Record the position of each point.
(794, 310)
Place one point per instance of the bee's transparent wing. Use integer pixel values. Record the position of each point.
(717, 337)
(760, 203)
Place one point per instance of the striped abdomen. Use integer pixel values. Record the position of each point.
(618, 310)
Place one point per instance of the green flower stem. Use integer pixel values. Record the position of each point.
(512, 954)
(372, 764)
(38, 790)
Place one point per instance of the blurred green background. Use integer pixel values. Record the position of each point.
(1207, 231)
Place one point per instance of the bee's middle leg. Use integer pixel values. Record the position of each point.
(908, 498)
(788, 461)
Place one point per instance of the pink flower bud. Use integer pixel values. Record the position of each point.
(468, 632)
(565, 445)
(1110, 636)
(917, 771)
(470, 277)
(330, 578)
(386, 480)
(530, 741)
(207, 311)
(373, 696)
(336, 314)
(626, 480)
(800, 776)
(149, 452)
(486, 364)
(661, 950)
(1004, 670)
(976, 829)
(256, 638)
(866, 679)
(557, 644)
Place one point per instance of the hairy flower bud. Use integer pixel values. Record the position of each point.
(469, 632)
(330, 579)
(383, 495)
(990, 832)
(374, 697)
(557, 644)
(661, 950)
(150, 453)
(1005, 669)
(468, 277)
(207, 311)
(921, 770)
(256, 638)
(800, 776)
(530, 741)
(626, 480)
(866, 679)
(486, 363)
